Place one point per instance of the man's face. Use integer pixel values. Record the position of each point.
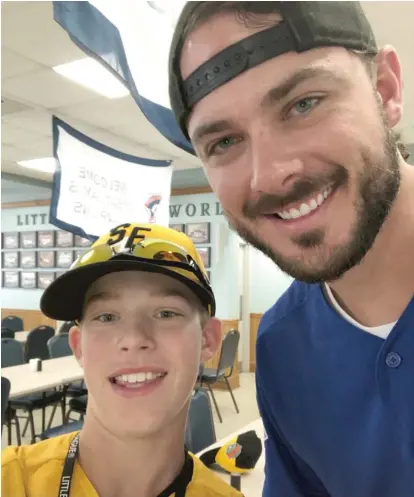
(140, 343)
(297, 151)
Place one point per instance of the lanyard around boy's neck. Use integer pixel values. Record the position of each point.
(69, 465)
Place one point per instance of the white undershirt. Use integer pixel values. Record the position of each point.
(380, 331)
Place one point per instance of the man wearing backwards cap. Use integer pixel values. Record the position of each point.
(290, 106)
(145, 314)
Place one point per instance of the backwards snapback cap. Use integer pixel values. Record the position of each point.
(305, 25)
(128, 247)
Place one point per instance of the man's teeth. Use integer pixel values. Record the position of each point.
(306, 207)
(136, 378)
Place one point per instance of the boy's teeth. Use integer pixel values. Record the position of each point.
(306, 207)
(136, 378)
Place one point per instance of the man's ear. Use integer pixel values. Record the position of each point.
(211, 339)
(75, 343)
(389, 84)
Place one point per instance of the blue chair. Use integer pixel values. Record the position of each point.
(62, 430)
(12, 355)
(58, 346)
(199, 432)
(36, 343)
(13, 323)
(224, 369)
(6, 333)
(5, 391)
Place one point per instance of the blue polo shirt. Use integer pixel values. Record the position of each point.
(337, 402)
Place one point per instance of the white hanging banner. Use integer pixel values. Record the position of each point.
(96, 188)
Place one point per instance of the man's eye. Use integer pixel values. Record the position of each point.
(222, 145)
(105, 317)
(304, 106)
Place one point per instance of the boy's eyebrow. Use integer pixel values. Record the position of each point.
(101, 296)
(172, 292)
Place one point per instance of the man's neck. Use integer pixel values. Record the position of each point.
(123, 467)
(378, 290)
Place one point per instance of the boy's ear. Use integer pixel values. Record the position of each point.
(75, 343)
(211, 339)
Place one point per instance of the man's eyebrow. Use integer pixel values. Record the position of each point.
(273, 95)
(209, 129)
(283, 89)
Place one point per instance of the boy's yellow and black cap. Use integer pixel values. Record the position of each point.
(239, 455)
(128, 247)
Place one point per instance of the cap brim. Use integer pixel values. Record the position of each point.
(64, 298)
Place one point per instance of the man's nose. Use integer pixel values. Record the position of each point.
(275, 163)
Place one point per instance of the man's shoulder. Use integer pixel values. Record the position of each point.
(29, 458)
(206, 483)
(291, 307)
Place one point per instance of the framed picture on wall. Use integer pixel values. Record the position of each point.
(28, 259)
(82, 242)
(11, 240)
(28, 279)
(11, 259)
(28, 239)
(46, 258)
(64, 239)
(44, 279)
(198, 232)
(205, 253)
(209, 276)
(178, 227)
(11, 279)
(64, 258)
(45, 239)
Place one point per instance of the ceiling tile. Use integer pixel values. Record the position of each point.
(39, 121)
(47, 89)
(105, 112)
(28, 28)
(14, 134)
(13, 64)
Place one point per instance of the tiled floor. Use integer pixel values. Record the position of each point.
(245, 398)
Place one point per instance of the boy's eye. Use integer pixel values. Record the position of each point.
(105, 317)
(167, 314)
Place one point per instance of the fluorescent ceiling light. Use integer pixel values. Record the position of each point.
(93, 75)
(46, 164)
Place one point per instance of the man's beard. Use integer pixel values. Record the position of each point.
(377, 190)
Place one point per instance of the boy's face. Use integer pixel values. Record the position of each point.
(140, 343)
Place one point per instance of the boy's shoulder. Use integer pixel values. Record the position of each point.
(208, 484)
(27, 468)
(30, 457)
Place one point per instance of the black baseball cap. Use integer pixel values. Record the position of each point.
(304, 26)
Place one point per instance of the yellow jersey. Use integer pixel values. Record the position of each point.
(36, 470)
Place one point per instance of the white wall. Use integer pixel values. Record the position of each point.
(267, 282)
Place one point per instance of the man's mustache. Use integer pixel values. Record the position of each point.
(302, 188)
